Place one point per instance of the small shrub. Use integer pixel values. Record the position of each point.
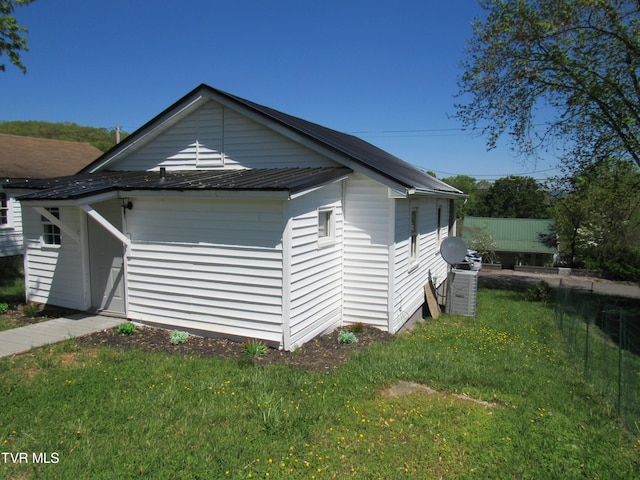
(345, 337)
(126, 329)
(357, 327)
(3, 308)
(178, 337)
(254, 348)
(31, 310)
(540, 293)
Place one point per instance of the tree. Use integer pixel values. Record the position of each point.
(475, 189)
(556, 72)
(12, 40)
(598, 217)
(481, 240)
(515, 197)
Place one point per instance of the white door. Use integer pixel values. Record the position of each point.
(106, 257)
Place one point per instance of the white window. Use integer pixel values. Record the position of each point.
(326, 226)
(51, 233)
(414, 240)
(4, 210)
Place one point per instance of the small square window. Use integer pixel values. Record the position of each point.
(325, 225)
(51, 233)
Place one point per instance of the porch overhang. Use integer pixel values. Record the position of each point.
(85, 189)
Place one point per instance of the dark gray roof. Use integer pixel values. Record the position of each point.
(362, 152)
(291, 180)
(349, 146)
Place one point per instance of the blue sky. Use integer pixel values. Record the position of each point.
(385, 71)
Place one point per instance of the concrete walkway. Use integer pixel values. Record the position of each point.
(23, 339)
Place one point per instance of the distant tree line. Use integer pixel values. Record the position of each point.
(596, 208)
(509, 197)
(101, 138)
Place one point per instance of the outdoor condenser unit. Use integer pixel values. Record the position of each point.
(462, 292)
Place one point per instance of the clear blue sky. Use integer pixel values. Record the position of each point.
(385, 71)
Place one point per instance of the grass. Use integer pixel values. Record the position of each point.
(127, 414)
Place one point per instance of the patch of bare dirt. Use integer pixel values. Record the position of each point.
(406, 388)
(323, 353)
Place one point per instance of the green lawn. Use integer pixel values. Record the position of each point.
(103, 413)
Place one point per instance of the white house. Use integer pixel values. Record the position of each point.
(24, 158)
(229, 218)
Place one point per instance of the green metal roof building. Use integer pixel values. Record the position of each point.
(516, 240)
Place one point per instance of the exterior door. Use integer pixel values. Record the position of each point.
(106, 258)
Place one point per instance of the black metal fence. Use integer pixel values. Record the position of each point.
(605, 339)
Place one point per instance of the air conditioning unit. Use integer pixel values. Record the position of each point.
(462, 292)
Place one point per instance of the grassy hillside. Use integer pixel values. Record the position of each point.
(101, 138)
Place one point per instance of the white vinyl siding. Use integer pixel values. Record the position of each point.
(411, 276)
(54, 275)
(226, 139)
(211, 265)
(367, 227)
(315, 270)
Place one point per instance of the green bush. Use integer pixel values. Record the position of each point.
(540, 293)
(126, 329)
(3, 308)
(178, 337)
(254, 348)
(31, 310)
(356, 327)
(345, 337)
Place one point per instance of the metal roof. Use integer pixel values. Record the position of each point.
(291, 180)
(521, 235)
(363, 152)
(348, 146)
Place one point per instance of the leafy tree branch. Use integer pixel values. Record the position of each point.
(12, 38)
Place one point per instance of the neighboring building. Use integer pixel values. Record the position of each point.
(23, 158)
(517, 241)
(226, 217)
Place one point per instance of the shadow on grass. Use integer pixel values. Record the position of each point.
(11, 280)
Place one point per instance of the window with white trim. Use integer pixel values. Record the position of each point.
(4, 210)
(326, 225)
(414, 239)
(51, 233)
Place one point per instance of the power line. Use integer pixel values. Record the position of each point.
(416, 132)
(495, 175)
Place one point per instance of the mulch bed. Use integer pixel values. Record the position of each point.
(323, 353)
(17, 317)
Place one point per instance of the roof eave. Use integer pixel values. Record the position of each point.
(439, 193)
